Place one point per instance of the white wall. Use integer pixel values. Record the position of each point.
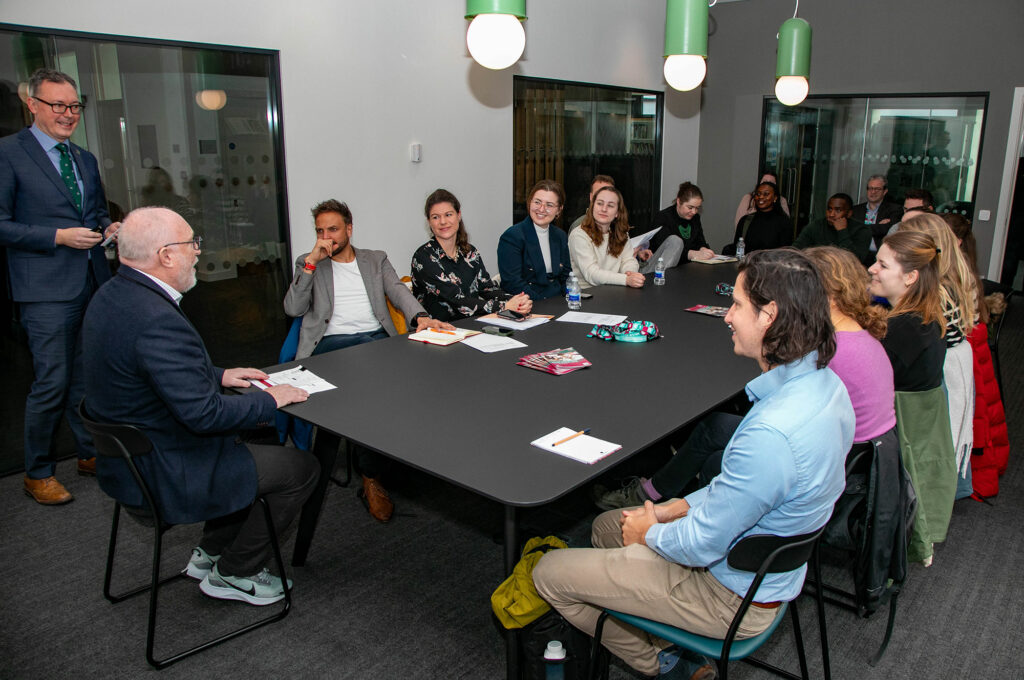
(361, 81)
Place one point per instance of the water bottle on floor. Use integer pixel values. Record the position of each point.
(572, 293)
(554, 661)
(659, 272)
(741, 249)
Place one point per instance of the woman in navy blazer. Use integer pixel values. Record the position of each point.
(521, 260)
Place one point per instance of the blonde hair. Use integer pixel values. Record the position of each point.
(959, 288)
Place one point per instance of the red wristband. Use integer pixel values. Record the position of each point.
(309, 267)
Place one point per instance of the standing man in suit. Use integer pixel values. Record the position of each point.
(148, 367)
(341, 293)
(52, 218)
(876, 212)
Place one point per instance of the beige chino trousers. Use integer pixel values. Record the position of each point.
(580, 582)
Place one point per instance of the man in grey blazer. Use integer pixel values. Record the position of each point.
(341, 293)
(52, 213)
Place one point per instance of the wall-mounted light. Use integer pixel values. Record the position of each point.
(686, 43)
(793, 64)
(211, 100)
(495, 37)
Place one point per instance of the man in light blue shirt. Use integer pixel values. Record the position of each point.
(781, 474)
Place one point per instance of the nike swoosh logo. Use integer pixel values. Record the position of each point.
(250, 591)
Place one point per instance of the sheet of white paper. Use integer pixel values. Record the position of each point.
(643, 239)
(492, 343)
(583, 317)
(584, 448)
(297, 377)
(514, 325)
(717, 259)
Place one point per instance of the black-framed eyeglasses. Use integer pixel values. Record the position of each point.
(75, 108)
(197, 243)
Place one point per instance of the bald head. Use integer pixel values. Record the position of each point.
(155, 241)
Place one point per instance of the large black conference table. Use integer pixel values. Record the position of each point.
(395, 395)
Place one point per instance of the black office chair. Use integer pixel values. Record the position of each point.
(126, 442)
(855, 532)
(762, 554)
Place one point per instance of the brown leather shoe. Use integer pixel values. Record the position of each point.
(87, 466)
(47, 491)
(376, 499)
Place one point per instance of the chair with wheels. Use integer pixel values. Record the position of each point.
(762, 554)
(128, 443)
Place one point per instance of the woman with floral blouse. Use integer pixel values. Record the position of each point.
(448, 274)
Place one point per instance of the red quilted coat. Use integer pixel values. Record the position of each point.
(990, 437)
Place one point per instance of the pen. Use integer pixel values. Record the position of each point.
(438, 330)
(572, 436)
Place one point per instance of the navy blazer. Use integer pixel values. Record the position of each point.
(521, 263)
(147, 366)
(34, 203)
(887, 210)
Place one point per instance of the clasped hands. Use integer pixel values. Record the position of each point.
(637, 521)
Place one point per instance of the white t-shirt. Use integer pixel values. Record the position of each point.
(545, 246)
(352, 310)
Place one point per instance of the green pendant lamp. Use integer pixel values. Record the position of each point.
(793, 64)
(495, 37)
(686, 43)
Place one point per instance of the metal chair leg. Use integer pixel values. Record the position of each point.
(799, 641)
(595, 650)
(816, 564)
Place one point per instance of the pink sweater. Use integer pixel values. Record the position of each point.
(864, 367)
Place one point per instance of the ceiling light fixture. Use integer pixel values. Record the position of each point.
(495, 36)
(793, 63)
(686, 43)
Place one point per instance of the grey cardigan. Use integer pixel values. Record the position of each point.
(311, 296)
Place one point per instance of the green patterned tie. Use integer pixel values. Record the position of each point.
(67, 173)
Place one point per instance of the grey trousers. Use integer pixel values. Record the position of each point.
(580, 582)
(670, 250)
(286, 479)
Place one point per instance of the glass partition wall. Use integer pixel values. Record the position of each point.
(833, 144)
(570, 132)
(194, 128)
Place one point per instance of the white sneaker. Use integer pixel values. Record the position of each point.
(260, 589)
(200, 564)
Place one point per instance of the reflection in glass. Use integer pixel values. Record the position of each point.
(570, 132)
(832, 144)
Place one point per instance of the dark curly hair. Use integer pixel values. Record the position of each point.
(802, 322)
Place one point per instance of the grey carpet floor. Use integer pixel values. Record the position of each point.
(411, 599)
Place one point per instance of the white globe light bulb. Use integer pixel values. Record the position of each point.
(685, 71)
(496, 41)
(791, 90)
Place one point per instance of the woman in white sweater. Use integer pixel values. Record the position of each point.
(599, 249)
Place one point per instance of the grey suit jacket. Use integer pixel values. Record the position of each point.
(311, 296)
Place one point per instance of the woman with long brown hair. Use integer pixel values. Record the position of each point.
(599, 249)
(906, 273)
(959, 293)
(448, 274)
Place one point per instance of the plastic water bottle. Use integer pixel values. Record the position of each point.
(554, 661)
(572, 290)
(741, 249)
(659, 272)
